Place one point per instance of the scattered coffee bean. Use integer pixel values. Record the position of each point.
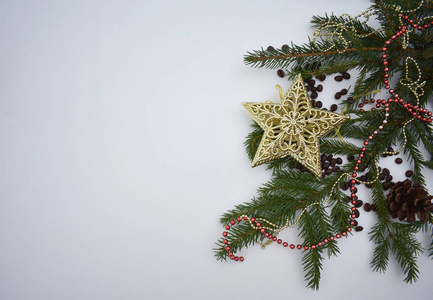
(270, 48)
(281, 73)
(385, 185)
(337, 95)
(350, 100)
(389, 178)
(346, 75)
(313, 103)
(345, 186)
(343, 92)
(338, 78)
(323, 158)
(313, 88)
(367, 207)
(336, 169)
(312, 82)
(350, 157)
(409, 173)
(359, 228)
(358, 203)
(314, 95)
(319, 104)
(320, 88)
(325, 165)
(398, 160)
(308, 88)
(285, 47)
(321, 77)
(339, 160)
(334, 107)
(328, 171)
(382, 176)
(385, 171)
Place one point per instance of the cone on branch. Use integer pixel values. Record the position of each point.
(408, 201)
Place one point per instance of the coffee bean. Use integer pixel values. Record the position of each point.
(346, 75)
(350, 157)
(270, 48)
(409, 173)
(320, 88)
(355, 223)
(386, 171)
(321, 77)
(389, 178)
(398, 160)
(314, 95)
(359, 228)
(313, 103)
(337, 95)
(281, 73)
(308, 88)
(382, 176)
(323, 158)
(313, 88)
(356, 213)
(319, 104)
(312, 82)
(338, 78)
(385, 185)
(325, 165)
(328, 171)
(339, 161)
(285, 47)
(343, 92)
(345, 186)
(368, 185)
(355, 190)
(334, 107)
(336, 168)
(390, 149)
(350, 100)
(358, 203)
(367, 207)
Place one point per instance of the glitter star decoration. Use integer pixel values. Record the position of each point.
(292, 128)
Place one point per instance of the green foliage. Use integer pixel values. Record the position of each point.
(289, 192)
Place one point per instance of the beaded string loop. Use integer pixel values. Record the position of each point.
(418, 113)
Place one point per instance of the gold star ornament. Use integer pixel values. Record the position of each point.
(292, 127)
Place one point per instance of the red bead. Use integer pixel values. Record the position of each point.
(338, 235)
(393, 37)
(232, 257)
(354, 175)
(363, 149)
(232, 222)
(352, 223)
(299, 246)
(270, 236)
(410, 21)
(236, 258)
(262, 230)
(418, 117)
(361, 155)
(285, 244)
(274, 238)
(423, 119)
(228, 248)
(313, 246)
(366, 143)
(384, 49)
(331, 237)
(325, 241)
(241, 258)
(353, 216)
(353, 195)
(224, 233)
(292, 246)
(406, 17)
(356, 168)
(252, 220)
(230, 253)
(349, 228)
(227, 227)
(387, 87)
(344, 233)
(279, 241)
(266, 234)
(353, 181)
(391, 91)
(387, 42)
(353, 208)
(320, 244)
(238, 219)
(258, 224)
(306, 247)
(225, 242)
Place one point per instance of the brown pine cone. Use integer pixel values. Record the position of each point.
(406, 201)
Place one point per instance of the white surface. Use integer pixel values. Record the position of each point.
(122, 135)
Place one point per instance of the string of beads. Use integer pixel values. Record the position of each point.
(417, 112)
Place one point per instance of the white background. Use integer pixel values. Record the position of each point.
(121, 135)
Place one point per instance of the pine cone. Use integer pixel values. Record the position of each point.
(406, 200)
